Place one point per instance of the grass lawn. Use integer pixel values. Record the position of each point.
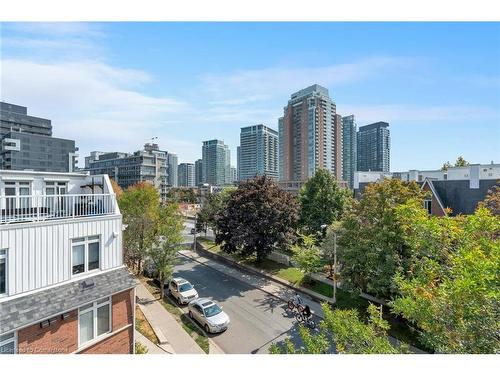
(209, 244)
(143, 326)
(189, 326)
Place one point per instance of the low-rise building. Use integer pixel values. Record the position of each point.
(457, 190)
(149, 165)
(63, 285)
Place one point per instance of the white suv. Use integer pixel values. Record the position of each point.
(182, 290)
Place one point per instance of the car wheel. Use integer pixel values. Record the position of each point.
(190, 314)
(207, 329)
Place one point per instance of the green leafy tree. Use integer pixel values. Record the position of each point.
(259, 217)
(322, 201)
(372, 244)
(461, 162)
(139, 206)
(213, 204)
(492, 200)
(346, 332)
(306, 254)
(451, 290)
(182, 195)
(168, 240)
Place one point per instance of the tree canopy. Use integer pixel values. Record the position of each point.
(322, 202)
(258, 218)
(372, 244)
(451, 289)
(344, 331)
(492, 200)
(306, 254)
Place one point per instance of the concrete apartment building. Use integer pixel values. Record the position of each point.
(149, 164)
(198, 172)
(307, 137)
(63, 285)
(186, 175)
(458, 189)
(374, 146)
(258, 152)
(216, 161)
(26, 143)
(349, 149)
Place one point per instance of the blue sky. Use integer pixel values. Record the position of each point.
(113, 86)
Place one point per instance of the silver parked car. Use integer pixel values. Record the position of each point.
(209, 315)
(182, 290)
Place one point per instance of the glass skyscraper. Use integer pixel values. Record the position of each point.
(258, 152)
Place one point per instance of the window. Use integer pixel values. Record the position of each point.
(85, 254)
(94, 320)
(3, 272)
(428, 205)
(8, 343)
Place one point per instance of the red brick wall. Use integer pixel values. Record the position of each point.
(123, 309)
(62, 336)
(58, 338)
(121, 343)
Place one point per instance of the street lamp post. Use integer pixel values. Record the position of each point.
(324, 226)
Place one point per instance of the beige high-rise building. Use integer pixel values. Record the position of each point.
(310, 137)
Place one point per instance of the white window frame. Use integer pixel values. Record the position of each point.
(93, 308)
(428, 205)
(4, 255)
(85, 241)
(9, 340)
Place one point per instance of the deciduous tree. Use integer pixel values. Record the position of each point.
(372, 245)
(167, 242)
(139, 206)
(346, 332)
(306, 254)
(322, 201)
(451, 290)
(259, 217)
(492, 200)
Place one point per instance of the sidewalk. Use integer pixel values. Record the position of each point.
(152, 348)
(266, 285)
(173, 338)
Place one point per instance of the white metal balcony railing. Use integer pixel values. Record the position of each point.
(21, 208)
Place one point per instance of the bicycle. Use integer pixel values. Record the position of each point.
(292, 305)
(305, 317)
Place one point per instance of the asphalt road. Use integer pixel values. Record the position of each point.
(257, 318)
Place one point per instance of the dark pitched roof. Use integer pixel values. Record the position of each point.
(32, 308)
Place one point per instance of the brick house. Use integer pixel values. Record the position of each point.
(63, 285)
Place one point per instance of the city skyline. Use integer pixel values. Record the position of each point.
(429, 90)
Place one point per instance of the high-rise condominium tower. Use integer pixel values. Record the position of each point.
(307, 135)
(186, 175)
(258, 152)
(374, 147)
(172, 165)
(349, 147)
(198, 172)
(216, 163)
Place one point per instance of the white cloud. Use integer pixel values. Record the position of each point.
(411, 113)
(274, 81)
(91, 102)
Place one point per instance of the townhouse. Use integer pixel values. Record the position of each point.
(63, 284)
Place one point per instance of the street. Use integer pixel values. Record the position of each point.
(257, 318)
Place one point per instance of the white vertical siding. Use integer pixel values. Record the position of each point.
(39, 254)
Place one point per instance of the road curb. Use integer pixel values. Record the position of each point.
(200, 249)
(255, 286)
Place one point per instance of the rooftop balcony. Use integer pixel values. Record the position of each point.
(26, 208)
(27, 196)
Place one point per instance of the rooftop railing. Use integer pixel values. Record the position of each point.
(24, 208)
